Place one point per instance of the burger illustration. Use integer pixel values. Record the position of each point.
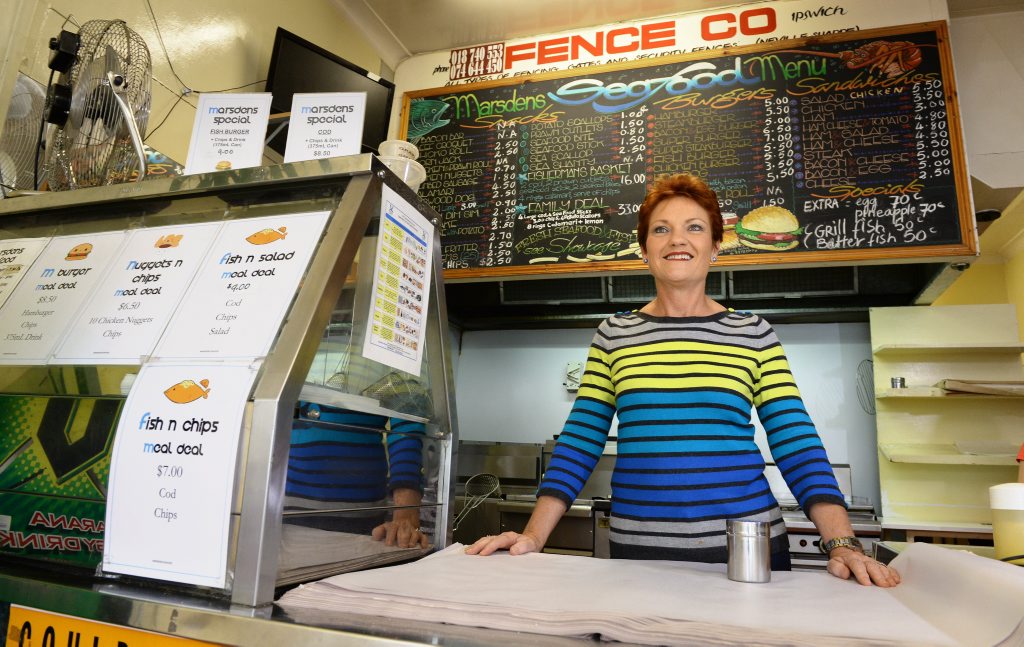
(79, 252)
(770, 228)
(730, 240)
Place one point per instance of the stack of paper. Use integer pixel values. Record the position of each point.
(648, 602)
(311, 553)
(986, 387)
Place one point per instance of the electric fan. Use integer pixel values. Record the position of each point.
(20, 136)
(100, 108)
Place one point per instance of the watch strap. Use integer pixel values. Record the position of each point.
(841, 542)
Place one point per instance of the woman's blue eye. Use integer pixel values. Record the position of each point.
(660, 229)
(696, 227)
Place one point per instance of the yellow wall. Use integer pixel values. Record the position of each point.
(998, 275)
(211, 45)
(981, 283)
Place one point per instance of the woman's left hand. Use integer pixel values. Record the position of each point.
(403, 531)
(844, 562)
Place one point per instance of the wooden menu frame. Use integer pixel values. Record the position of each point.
(959, 224)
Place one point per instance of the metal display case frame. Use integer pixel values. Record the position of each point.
(263, 459)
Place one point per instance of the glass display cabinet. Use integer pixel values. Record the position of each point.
(336, 444)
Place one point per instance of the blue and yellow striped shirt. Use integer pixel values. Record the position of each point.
(683, 390)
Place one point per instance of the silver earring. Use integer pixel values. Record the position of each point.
(645, 259)
(714, 258)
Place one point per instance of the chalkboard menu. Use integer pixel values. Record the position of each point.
(835, 149)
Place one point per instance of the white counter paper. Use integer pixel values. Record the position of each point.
(657, 602)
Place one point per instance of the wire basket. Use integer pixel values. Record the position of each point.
(400, 393)
(479, 488)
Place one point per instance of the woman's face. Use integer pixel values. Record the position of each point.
(679, 243)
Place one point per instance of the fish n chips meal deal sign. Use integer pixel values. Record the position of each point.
(172, 472)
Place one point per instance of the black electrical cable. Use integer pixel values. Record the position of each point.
(175, 105)
(160, 38)
(39, 138)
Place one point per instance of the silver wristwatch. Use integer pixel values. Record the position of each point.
(841, 542)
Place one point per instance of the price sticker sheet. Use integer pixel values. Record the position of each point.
(401, 286)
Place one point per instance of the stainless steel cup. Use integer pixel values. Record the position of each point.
(898, 382)
(750, 558)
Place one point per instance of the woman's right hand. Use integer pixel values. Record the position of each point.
(516, 543)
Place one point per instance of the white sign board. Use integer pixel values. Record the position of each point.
(325, 125)
(240, 294)
(129, 310)
(228, 132)
(36, 315)
(172, 473)
(15, 258)
(401, 286)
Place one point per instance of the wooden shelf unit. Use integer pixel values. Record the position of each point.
(939, 452)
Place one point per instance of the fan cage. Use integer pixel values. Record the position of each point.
(95, 147)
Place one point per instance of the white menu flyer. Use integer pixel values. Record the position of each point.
(43, 305)
(325, 125)
(130, 308)
(240, 294)
(401, 286)
(228, 132)
(15, 258)
(172, 472)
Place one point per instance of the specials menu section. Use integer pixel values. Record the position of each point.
(846, 147)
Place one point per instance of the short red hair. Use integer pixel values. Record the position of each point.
(686, 186)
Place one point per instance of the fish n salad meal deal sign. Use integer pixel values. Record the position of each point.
(172, 472)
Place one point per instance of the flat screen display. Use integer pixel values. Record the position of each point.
(298, 65)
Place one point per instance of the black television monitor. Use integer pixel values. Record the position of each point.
(297, 65)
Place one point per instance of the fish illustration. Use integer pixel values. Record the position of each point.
(425, 116)
(264, 236)
(188, 391)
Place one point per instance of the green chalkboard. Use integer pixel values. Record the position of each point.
(856, 135)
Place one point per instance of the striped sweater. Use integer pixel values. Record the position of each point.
(683, 389)
(353, 463)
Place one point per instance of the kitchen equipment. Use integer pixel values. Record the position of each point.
(479, 488)
(1007, 502)
(749, 552)
(898, 382)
